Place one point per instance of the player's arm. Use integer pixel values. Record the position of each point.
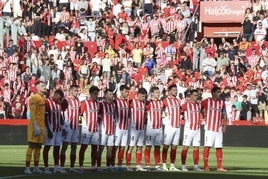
(33, 121)
(47, 119)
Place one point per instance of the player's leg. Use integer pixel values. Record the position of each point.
(63, 153)
(196, 145)
(173, 150)
(86, 137)
(73, 157)
(29, 153)
(187, 139)
(94, 150)
(121, 150)
(66, 139)
(74, 141)
(45, 158)
(133, 143)
(209, 138)
(140, 144)
(149, 142)
(168, 138)
(36, 155)
(218, 146)
(128, 158)
(56, 153)
(117, 143)
(110, 152)
(158, 142)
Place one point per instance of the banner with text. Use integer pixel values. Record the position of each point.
(223, 11)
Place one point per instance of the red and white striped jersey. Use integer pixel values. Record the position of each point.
(154, 26)
(181, 25)
(172, 110)
(122, 113)
(154, 113)
(192, 114)
(64, 16)
(89, 109)
(13, 74)
(13, 59)
(213, 110)
(107, 113)
(170, 26)
(137, 116)
(72, 112)
(54, 115)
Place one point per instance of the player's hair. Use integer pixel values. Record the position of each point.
(93, 89)
(172, 86)
(154, 88)
(59, 92)
(123, 87)
(193, 91)
(108, 90)
(142, 91)
(74, 86)
(215, 89)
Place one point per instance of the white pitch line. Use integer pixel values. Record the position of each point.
(13, 176)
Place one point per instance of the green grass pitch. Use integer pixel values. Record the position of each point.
(241, 162)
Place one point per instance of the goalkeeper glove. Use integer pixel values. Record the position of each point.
(36, 131)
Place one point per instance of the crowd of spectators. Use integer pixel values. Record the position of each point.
(139, 43)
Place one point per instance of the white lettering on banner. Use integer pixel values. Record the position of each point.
(223, 10)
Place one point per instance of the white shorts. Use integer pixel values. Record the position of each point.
(70, 135)
(154, 137)
(106, 140)
(121, 137)
(191, 137)
(89, 138)
(171, 135)
(73, 6)
(56, 139)
(136, 137)
(213, 139)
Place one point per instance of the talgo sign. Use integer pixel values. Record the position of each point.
(223, 11)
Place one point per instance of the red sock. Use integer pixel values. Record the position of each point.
(205, 156)
(172, 155)
(120, 156)
(219, 157)
(157, 157)
(62, 159)
(72, 160)
(164, 155)
(196, 156)
(138, 158)
(82, 154)
(183, 156)
(147, 156)
(128, 158)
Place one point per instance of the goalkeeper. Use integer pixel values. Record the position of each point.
(36, 125)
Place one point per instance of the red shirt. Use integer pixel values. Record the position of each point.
(137, 115)
(214, 110)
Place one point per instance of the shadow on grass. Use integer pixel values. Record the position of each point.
(18, 172)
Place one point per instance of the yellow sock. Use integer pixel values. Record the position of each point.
(28, 156)
(36, 156)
